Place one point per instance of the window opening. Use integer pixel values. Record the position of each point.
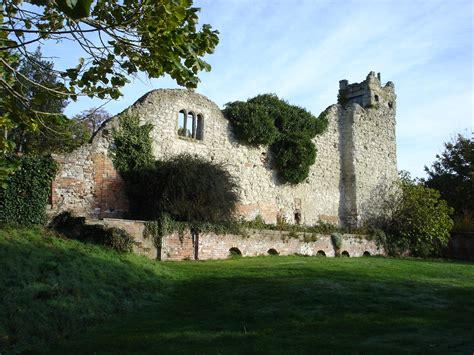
(190, 125)
(199, 127)
(182, 123)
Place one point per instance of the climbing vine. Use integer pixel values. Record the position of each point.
(165, 225)
(132, 148)
(287, 129)
(24, 199)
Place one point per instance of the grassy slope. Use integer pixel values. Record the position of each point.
(50, 287)
(268, 305)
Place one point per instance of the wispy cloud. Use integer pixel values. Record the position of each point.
(301, 49)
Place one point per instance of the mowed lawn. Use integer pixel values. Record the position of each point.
(299, 305)
(60, 296)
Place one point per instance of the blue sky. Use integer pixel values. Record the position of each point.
(300, 50)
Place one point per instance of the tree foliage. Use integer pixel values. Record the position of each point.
(92, 118)
(118, 38)
(288, 129)
(186, 188)
(416, 219)
(57, 133)
(452, 174)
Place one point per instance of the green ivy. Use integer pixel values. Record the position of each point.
(165, 225)
(23, 201)
(287, 129)
(294, 154)
(342, 97)
(132, 149)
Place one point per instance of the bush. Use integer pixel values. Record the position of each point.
(76, 228)
(417, 220)
(290, 119)
(186, 188)
(288, 129)
(251, 122)
(294, 154)
(23, 201)
(336, 240)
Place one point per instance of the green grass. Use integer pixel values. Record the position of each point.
(244, 305)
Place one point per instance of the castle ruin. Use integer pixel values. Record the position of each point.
(355, 162)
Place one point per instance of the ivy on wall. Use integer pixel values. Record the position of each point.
(132, 148)
(287, 129)
(24, 199)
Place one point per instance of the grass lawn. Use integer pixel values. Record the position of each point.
(249, 305)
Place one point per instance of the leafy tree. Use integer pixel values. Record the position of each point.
(415, 219)
(92, 118)
(186, 188)
(118, 39)
(58, 134)
(452, 174)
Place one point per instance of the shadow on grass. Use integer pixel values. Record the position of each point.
(50, 288)
(293, 309)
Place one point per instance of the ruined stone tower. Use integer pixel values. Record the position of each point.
(356, 158)
(368, 154)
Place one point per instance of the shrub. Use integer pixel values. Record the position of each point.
(417, 220)
(186, 188)
(288, 129)
(251, 123)
(336, 240)
(293, 155)
(24, 199)
(288, 118)
(76, 228)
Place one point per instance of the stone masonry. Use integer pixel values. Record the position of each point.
(206, 246)
(355, 162)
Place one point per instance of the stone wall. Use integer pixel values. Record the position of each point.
(251, 243)
(356, 159)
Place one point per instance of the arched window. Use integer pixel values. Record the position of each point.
(190, 125)
(182, 123)
(200, 127)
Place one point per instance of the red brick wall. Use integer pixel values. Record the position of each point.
(88, 185)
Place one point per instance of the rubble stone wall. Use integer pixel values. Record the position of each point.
(356, 160)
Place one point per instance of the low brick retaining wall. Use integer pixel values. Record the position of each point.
(252, 243)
